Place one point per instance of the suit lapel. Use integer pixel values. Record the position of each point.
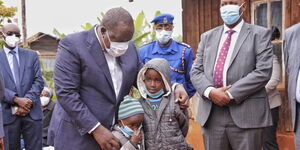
(215, 41)
(240, 40)
(22, 62)
(6, 65)
(97, 54)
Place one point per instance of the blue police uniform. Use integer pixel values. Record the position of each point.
(179, 55)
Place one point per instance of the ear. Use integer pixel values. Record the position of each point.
(102, 30)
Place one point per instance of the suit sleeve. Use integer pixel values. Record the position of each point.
(2, 87)
(38, 82)
(258, 78)
(189, 62)
(198, 78)
(67, 77)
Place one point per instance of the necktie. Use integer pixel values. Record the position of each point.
(218, 73)
(16, 70)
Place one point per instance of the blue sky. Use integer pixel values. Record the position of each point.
(68, 15)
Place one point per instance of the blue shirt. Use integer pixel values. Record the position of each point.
(173, 54)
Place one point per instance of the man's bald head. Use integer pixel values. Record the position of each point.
(116, 15)
(10, 28)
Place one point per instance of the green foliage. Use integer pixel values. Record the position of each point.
(48, 78)
(143, 31)
(5, 12)
(58, 34)
(87, 26)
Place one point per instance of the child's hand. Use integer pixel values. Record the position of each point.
(136, 137)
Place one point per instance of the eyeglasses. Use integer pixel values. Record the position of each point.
(12, 33)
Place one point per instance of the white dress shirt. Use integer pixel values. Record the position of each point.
(115, 72)
(234, 38)
(298, 88)
(9, 57)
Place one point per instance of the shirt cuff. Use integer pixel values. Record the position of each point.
(207, 91)
(174, 86)
(97, 125)
(230, 96)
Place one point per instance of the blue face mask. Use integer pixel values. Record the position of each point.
(230, 13)
(126, 130)
(155, 95)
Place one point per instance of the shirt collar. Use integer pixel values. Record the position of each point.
(6, 50)
(164, 50)
(237, 28)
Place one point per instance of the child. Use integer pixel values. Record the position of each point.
(165, 124)
(128, 129)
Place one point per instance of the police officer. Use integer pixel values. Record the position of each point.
(179, 55)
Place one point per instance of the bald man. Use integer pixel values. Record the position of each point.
(22, 112)
(233, 65)
(94, 70)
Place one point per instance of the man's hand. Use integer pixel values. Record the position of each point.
(21, 111)
(25, 103)
(105, 138)
(136, 137)
(219, 96)
(181, 97)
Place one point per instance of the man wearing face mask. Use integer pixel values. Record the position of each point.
(94, 70)
(232, 67)
(22, 112)
(47, 107)
(179, 55)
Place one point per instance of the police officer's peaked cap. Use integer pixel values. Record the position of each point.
(163, 19)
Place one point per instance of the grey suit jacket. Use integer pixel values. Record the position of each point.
(2, 91)
(249, 70)
(292, 64)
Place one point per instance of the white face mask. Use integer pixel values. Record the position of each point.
(44, 100)
(163, 36)
(12, 40)
(116, 48)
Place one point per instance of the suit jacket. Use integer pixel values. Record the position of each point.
(85, 90)
(249, 70)
(2, 89)
(292, 64)
(271, 87)
(31, 83)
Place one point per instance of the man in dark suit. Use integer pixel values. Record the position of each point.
(22, 112)
(230, 76)
(94, 70)
(2, 89)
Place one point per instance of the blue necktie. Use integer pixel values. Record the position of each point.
(16, 71)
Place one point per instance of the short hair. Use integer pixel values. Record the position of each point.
(115, 15)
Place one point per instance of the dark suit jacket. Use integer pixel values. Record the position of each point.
(249, 71)
(85, 90)
(31, 82)
(2, 89)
